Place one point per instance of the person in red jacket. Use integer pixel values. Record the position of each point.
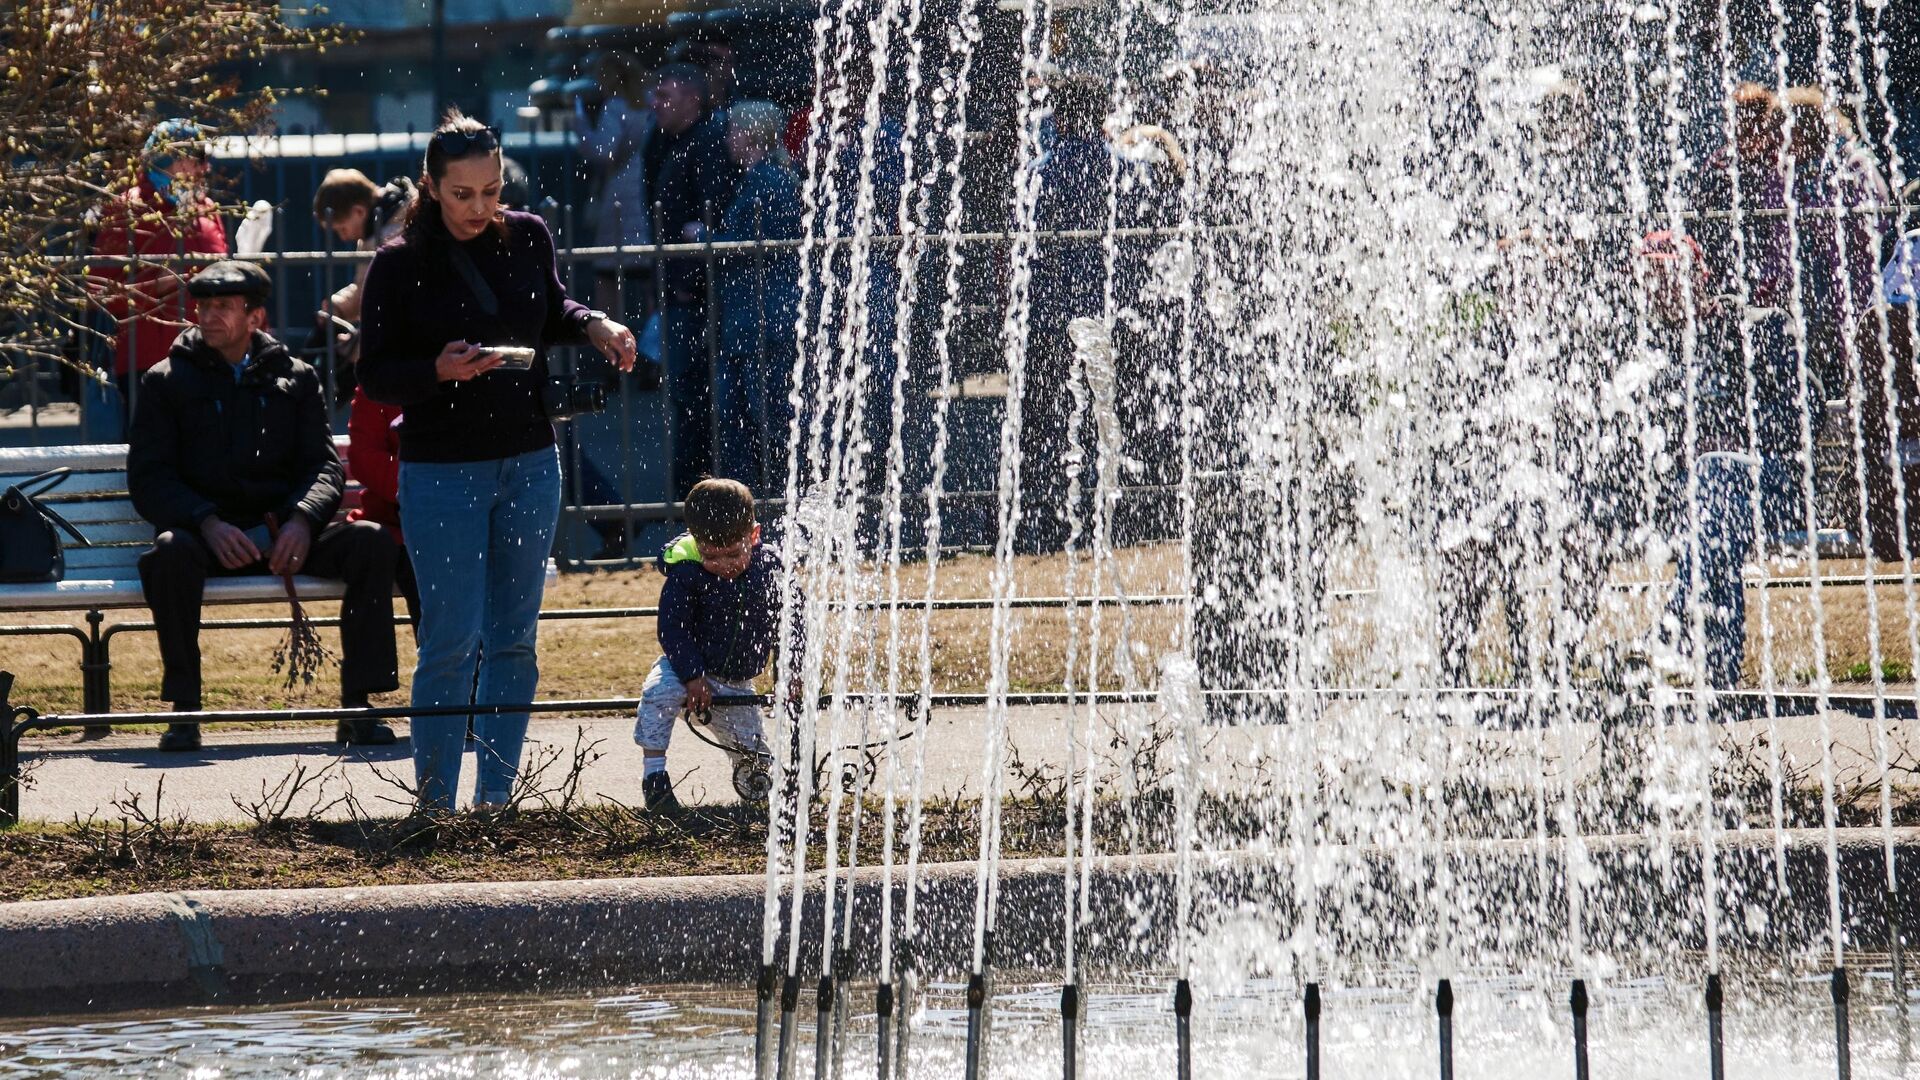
(165, 214)
(373, 459)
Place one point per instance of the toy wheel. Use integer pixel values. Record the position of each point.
(751, 780)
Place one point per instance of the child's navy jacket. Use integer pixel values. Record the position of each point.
(712, 626)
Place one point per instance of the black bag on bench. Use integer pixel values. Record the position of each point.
(29, 548)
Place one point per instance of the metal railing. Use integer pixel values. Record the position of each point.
(617, 467)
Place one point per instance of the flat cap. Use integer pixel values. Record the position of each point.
(232, 277)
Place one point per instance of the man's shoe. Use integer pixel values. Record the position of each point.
(363, 731)
(658, 790)
(180, 738)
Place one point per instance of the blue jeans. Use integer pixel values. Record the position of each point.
(479, 533)
(1716, 550)
(752, 411)
(689, 395)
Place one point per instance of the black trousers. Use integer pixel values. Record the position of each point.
(361, 554)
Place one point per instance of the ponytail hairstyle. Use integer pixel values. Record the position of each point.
(458, 138)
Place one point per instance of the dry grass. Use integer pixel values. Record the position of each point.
(585, 659)
(104, 858)
(610, 658)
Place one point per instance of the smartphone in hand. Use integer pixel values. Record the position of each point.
(512, 357)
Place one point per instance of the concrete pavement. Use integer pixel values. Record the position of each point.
(69, 777)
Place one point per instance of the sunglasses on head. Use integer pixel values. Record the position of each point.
(461, 143)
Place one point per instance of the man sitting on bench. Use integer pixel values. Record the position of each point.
(230, 442)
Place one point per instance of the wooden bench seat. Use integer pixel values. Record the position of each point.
(107, 575)
(104, 575)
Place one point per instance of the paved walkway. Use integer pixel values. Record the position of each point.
(69, 777)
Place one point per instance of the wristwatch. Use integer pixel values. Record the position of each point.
(595, 316)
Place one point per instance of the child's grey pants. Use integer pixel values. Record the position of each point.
(736, 727)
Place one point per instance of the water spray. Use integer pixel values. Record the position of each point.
(883, 1017)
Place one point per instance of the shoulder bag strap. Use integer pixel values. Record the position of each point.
(64, 524)
(47, 481)
(482, 292)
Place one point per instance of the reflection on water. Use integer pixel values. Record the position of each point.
(1379, 1027)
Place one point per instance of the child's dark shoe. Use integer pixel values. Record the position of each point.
(658, 790)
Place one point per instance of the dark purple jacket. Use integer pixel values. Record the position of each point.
(415, 301)
(711, 626)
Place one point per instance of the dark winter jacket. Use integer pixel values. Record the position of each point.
(760, 291)
(711, 626)
(203, 444)
(415, 301)
(685, 174)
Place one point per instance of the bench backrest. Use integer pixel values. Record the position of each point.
(94, 497)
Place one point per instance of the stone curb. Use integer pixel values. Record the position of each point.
(156, 949)
(185, 948)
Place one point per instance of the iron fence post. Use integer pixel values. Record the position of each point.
(626, 388)
(132, 330)
(570, 478)
(667, 395)
(9, 756)
(762, 437)
(280, 288)
(95, 666)
(711, 325)
(326, 299)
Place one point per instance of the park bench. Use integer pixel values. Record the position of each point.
(105, 576)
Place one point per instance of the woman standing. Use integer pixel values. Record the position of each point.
(479, 475)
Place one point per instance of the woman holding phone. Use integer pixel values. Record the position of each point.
(479, 474)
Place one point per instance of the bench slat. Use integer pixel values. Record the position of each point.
(79, 594)
(132, 532)
(107, 575)
(76, 484)
(102, 558)
(107, 591)
(102, 512)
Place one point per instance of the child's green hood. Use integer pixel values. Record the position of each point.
(683, 549)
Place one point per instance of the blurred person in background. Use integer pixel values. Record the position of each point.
(759, 295)
(1788, 265)
(689, 178)
(613, 140)
(1885, 343)
(1835, 185)
(364, 215)
(164, 214)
